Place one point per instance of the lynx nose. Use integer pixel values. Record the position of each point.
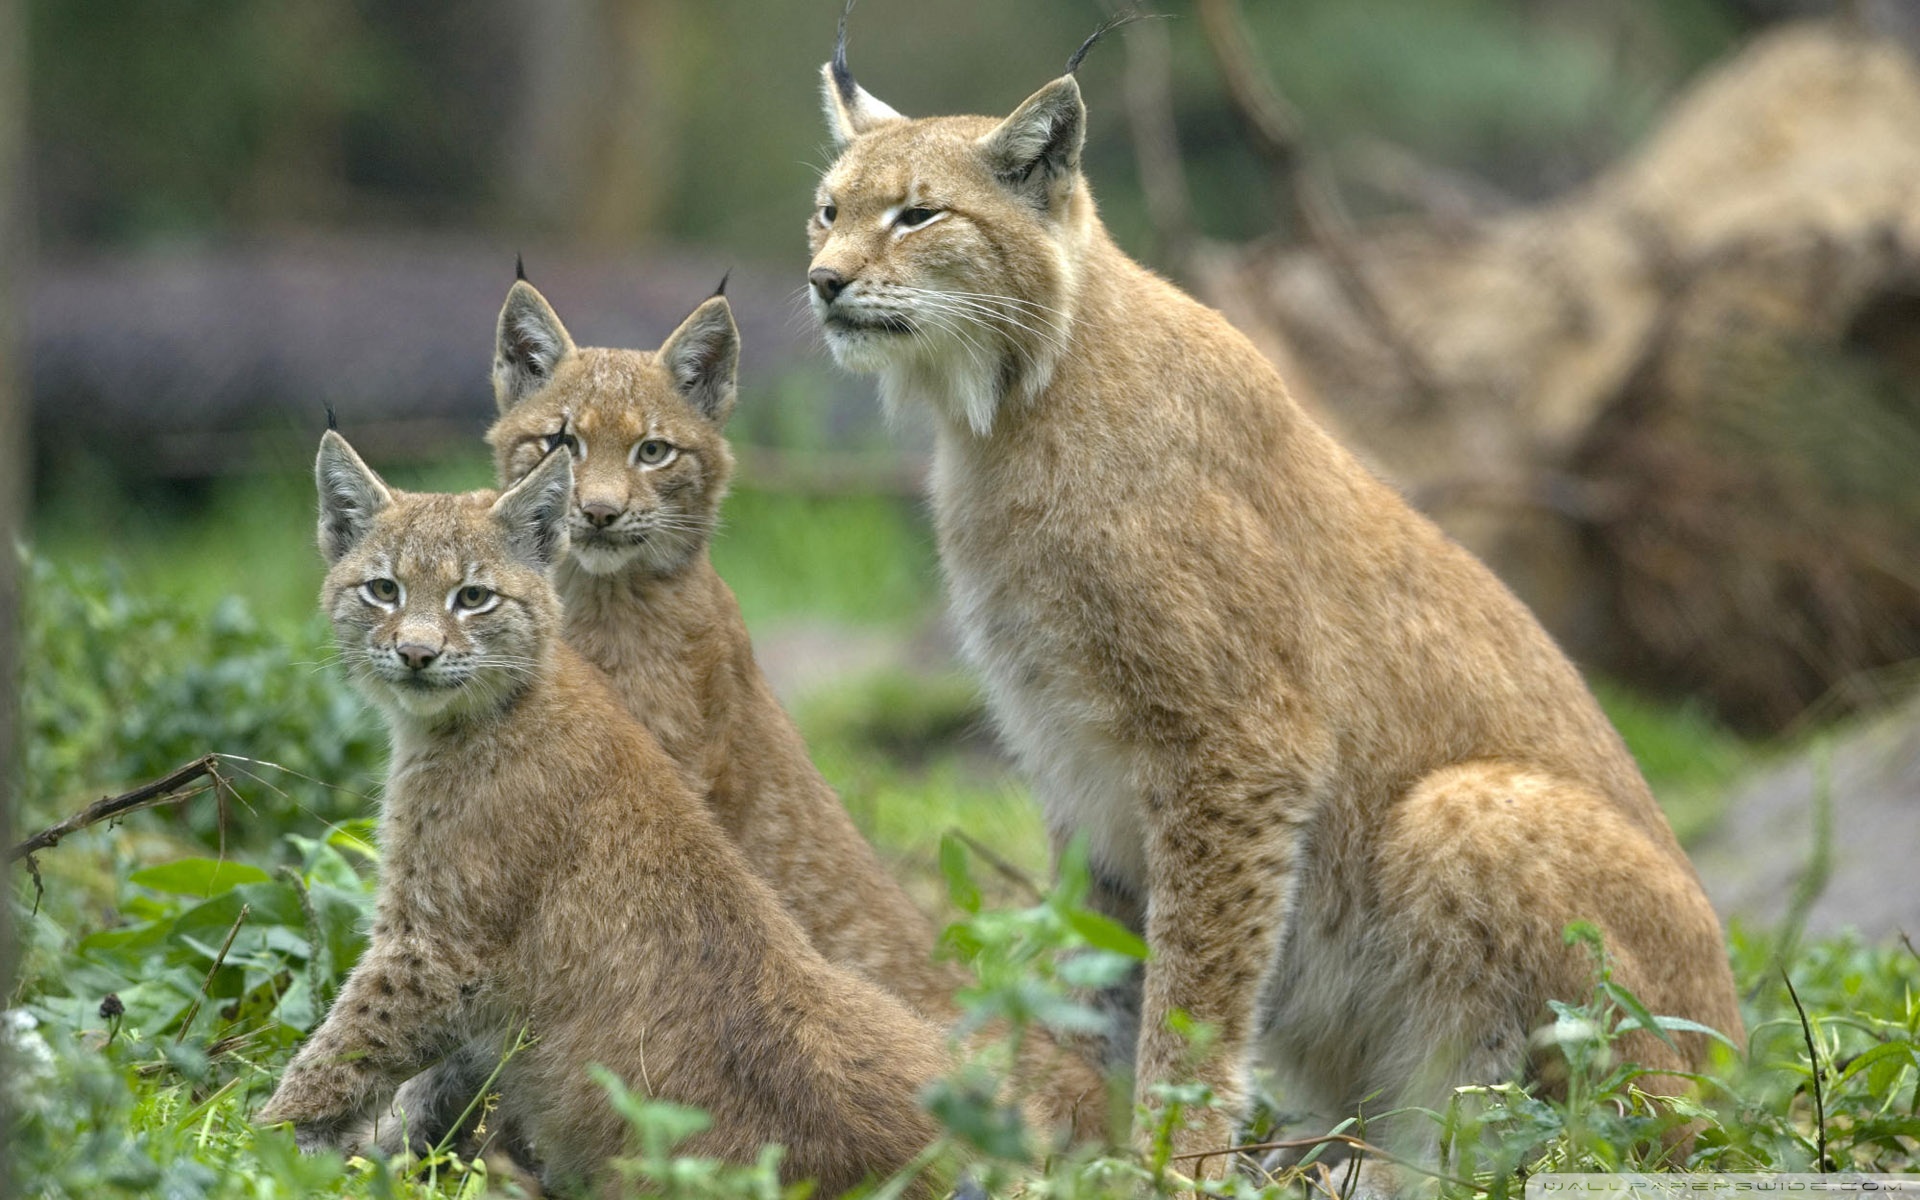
(599, 514)
(827, 281)
(415, 655)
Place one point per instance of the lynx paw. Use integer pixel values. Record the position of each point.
(317, 1136)
(318, 1125)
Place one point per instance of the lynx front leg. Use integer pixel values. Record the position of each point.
(404, 1006)
(1222, 868)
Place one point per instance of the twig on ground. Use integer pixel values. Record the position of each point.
(168, 789)
(1344, 1139)
(1001, 866)
(1275, 128)
(193, 1010)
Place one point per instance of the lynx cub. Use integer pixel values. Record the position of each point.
(543, 863)
(644, 603)
(1345, 784)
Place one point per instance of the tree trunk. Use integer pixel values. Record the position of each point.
(594, 141)
(13, 457)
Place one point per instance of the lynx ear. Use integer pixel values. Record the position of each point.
(851, 109)
(1036, 151)
(533, 512)
(351, 495)
(703, 356)
(528, 344)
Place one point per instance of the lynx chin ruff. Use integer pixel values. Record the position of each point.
(1339, 777)
(544, 866)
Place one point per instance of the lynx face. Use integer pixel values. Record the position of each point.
(644, 430)
(943, 248)
(440, 604)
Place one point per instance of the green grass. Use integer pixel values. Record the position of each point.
(911, 758)
(865, 559)
(1689, 758)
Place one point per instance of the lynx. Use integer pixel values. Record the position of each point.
(544, 866)
(1332, 769)
(644, 603)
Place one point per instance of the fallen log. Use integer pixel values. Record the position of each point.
(1679, 410)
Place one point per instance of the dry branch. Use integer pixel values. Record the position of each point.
(1006, 870)
(164, 790)
(1156, 140)
(1275, 128)
(1678, 405)
(1330, 1139)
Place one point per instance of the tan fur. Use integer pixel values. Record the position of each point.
(543, 863)
(1345, 784)
(667, 631)
(644, 603)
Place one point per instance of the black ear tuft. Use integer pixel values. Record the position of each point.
(333, 422)
(519, 268)
(1103, 29)
(722, 289)
(842, 75)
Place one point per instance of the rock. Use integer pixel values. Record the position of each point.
(1767, 840)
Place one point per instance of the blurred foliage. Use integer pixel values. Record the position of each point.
(697, 121)
(854, 558)
(191, 118)
(122, 687)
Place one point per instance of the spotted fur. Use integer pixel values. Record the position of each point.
(1335, 772)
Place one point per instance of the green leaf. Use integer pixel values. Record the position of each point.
(351, 837)
(960, 885)
(1638, 1014)
(1904, 1052)
(198, 876)
(1094, 969)
(1105, 933)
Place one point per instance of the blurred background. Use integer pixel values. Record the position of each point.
(1626, 293)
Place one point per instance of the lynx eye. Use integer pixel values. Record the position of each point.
(913, 218)
(554, 441)
(474, 598)
(652, 452)
(827, 213)
(381, 591)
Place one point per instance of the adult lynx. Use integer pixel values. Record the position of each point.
(543, 865)
(1341, 779)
